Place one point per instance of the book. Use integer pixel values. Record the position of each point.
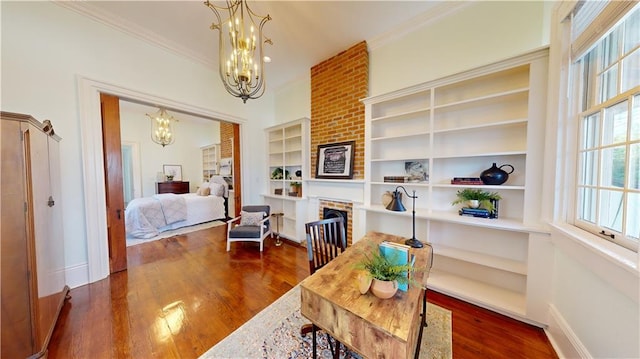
(398, 254)
(475, 212)
(467, 180)
(395, 179)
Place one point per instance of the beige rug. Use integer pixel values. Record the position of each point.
(275, 333)
(174, 232)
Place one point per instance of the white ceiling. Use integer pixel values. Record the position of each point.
(304, 33)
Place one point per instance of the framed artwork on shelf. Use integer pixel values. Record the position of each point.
(172, 172)
(335, 160)
(417, 171)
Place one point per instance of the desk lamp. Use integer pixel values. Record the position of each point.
(396, 206)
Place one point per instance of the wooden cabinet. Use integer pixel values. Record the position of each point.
(288, 169)
(210, 161)
(176, 187)
(457, 127)
(33, 285)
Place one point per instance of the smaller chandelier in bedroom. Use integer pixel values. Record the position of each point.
(240, 56)
(161, 127)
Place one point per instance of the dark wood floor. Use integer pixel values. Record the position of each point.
(182, 295)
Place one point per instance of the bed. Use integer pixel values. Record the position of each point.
(147, 217)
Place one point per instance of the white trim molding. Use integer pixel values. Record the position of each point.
(565, 342)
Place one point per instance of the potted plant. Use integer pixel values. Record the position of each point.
(279, 173)
(381, 275)
(296, 187)
(475, 198)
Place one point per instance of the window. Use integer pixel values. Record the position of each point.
(606, 97)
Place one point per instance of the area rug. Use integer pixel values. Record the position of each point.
(131, 241)
(275, 333)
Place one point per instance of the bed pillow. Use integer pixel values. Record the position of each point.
(203, 191)
(217, 189)
(251, 218)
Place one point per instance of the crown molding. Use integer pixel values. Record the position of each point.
(439, 11)
(86, 9)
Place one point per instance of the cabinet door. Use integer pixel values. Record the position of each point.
(16, 320)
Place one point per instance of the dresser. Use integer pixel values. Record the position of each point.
(176, 187)
(33, 286)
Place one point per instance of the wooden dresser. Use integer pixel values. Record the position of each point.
(177, 187)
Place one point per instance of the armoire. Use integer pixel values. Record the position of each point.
(33, 288)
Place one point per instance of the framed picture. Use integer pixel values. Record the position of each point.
(226, 166)
(417, 171)
(335, 160)
(172, 172)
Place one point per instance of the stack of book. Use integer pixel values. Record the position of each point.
(397, 253)
(467, 180)
(477, 212)
(395, 179)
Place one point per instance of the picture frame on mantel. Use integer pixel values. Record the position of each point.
(173, 171)
(335, 160)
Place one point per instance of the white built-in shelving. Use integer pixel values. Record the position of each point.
(210, 161)
(459, 126)
(288, 153)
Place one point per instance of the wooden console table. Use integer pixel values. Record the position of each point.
(373, 327)
(177, 187)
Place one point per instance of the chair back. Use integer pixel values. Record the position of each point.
(326, 239)
(265, 209)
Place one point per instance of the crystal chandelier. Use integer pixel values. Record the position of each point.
(161, 129)
(241, 67)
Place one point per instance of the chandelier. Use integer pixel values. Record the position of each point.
(241, 67)
(161, 129)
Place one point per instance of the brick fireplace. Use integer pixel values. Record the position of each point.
(332, 208)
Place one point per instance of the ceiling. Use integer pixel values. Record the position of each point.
(304, 33)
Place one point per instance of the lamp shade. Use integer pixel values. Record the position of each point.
(396, 203)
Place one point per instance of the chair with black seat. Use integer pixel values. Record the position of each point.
(252, 225)
(326, 239)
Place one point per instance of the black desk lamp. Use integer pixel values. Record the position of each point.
(396, 206)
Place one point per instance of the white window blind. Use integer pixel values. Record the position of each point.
(591, 21)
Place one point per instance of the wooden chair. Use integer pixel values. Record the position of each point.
(252, 225)
(326, 239)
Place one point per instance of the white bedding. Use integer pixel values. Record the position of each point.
(147, 217)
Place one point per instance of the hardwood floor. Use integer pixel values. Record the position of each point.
(182, 295)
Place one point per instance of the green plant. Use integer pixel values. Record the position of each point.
(279, 173)
(381, 268)
(484, 198)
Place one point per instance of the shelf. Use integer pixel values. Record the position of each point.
(401, 115)
(482, 294)
(506, 224)
(408, 184)
(483, 186)
(483, 154)
(486, 260)
(486, 125)
(417, 134)
(482, 98)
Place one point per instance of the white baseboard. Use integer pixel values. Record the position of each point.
(77, 276)
(563, 339)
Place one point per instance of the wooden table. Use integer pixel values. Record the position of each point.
(375, 328)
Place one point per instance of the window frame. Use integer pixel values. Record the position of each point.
(578, 111)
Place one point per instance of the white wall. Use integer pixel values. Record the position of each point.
(46, 47)
(190, 135)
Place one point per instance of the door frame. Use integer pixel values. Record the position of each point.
(92, 160)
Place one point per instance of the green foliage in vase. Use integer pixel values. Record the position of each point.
(379, 267)
(483, 197)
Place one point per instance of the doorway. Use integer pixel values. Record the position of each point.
(97, 266)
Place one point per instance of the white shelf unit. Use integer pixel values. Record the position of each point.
(210, 161)
(460, 125)
(288, 150)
